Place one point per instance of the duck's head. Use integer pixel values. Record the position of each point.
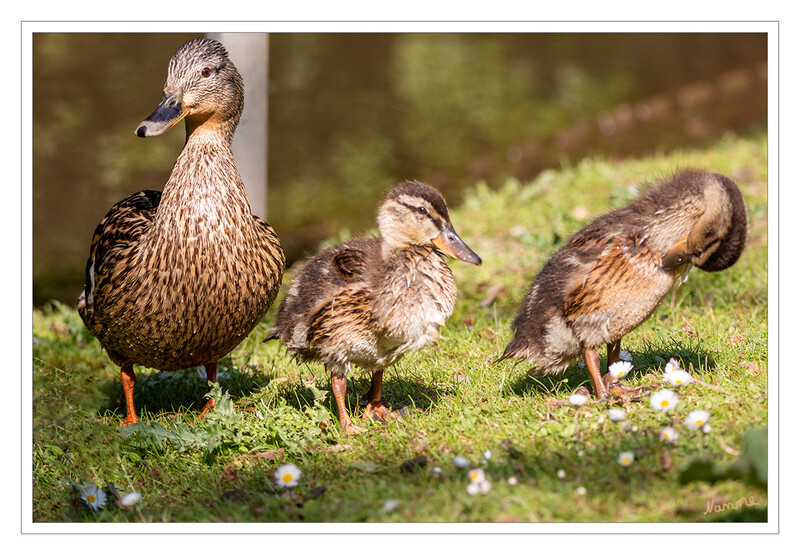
(717, 239)
(416, 214)
(203, 86)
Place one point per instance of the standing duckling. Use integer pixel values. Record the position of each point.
(613, 274)
(367, 302)
(178, 279)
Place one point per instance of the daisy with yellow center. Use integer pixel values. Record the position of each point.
(620, 369)
(668, 434)
(696, 419)
(678, 378)
(93, 496)
(664, 399)
(478, 482)
(477, 475)
(626, 458)
(287, 476)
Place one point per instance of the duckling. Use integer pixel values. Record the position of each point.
(178, 279)
(613, 274)
(368, 301)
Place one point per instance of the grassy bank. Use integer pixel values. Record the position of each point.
(546, 461)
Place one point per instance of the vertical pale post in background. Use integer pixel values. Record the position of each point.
(250, 54)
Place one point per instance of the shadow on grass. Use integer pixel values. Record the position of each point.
(398, 389)
(184, 390)
(651, 361)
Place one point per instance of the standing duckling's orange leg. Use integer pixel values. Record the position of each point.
(211, 375)
(592, 358)
(339, 386)
(128, 378)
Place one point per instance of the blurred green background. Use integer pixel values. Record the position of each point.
(352, 114)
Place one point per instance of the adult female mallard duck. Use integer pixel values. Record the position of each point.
(612, 275)
(178, 279)
(367, 302)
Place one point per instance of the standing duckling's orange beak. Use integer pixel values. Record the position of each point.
(171, 110)
(451, 244)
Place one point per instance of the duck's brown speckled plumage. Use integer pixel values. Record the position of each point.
(613, 274)
(178, 279)
(366, 302)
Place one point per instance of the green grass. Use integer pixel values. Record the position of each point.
(272, 411)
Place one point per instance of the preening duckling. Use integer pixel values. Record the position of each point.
(613, 274)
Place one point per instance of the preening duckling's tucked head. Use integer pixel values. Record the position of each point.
(717, 239)
(202, 83)
(416, 214)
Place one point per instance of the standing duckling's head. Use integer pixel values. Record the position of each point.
(415, 214)
(717, 239)
(202, 86)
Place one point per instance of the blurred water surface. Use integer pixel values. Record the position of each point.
(352, 114)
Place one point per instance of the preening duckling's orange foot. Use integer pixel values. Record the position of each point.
(624, 393)
(383, 411)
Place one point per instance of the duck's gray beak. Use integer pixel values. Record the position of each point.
(169, 112)
(450, 243)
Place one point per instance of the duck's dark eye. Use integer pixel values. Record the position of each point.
(205, 72)
(421, 210)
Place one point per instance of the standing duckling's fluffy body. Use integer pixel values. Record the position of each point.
(613, 274)
(178, 279)
(367, 302)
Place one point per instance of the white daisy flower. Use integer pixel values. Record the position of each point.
(437, 470)
(578, 399)
(512, 480)
(389, 506)
(664, 399)
(477, 475)
(484, 486)
(473, 488)
(696, 419)
(287, 476)
(460, 462)
(561, 474)
(93, 496)
(677, 378)
(626, 458)
(625, 356)
(668, 434)
(580, 490)
(706, 428)
(616, 415)
(487, 454)
(130, 499)
(620, 369)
